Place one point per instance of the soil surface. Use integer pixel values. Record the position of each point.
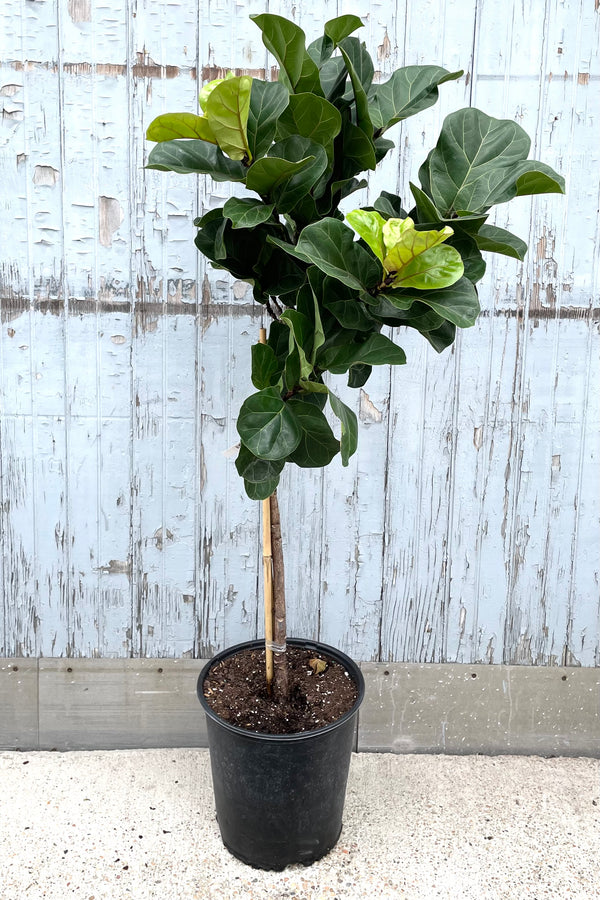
(321, 692)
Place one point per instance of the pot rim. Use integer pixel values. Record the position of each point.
(352, 667)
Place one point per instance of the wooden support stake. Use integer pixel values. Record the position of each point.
(267, 571)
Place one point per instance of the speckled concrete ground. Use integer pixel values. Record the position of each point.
(140, 824)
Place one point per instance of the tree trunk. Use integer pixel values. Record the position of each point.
(280, 667)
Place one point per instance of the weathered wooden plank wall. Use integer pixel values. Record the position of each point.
(466, 528)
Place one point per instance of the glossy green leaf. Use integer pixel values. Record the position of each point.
(302, 336)
(347, 417)
(330, 245)
(441, 337)
(333, 76)
(318, 445)
(265, 367)
(473, 261)
(310, 117)
(360, 68)
(436, 268)
(187, 156)
(358, 152)
(261, 490)
(427, 211)
(359, 375)
(246, 212)
(377, 350)
(310, 80)
(390, 206)
(457, 304)
(409, 91)
(286, 41)
(498, 240)
(257, 470)
(268, 174)
(418, 315)
(296, 188)
(171, 126)
(267, 426)
(403, 243)
(320, 50)
(479, 161)
(267, 101)
(341, 27)
(227, 111)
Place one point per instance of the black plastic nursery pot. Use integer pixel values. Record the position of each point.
(279, 798)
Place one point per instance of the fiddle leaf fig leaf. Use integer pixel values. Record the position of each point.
(247, 212)
(265, 366)
(498, 240)
(318, 444)
(441, 337)
(267, 426)
(369, 225)
(194, 156)
(269, 173)
(286, 41)
(310, 117)
(390, 206)
(330, 246)
(457, 304)
(301, 334)
(338, 29)
(170, 126)
(261, 490)
(480, 161)
(360, 68)
(291, 191)
(436, 268)
(256, 470)
(409, 91)
(209, 88)
(227, 109)
(349, 423)
(267, 101)
(377, 350)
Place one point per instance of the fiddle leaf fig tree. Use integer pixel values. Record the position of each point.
(331, 282)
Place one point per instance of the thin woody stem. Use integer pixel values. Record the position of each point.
(280, 679)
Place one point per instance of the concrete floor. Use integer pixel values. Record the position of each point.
(140, 824)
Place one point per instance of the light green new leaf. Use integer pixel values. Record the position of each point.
(369, 225)
(498, 240)
(439, 267)
(409, 91)
(246, 212)
(479, 161)
(209, 88)
(170, 126)
(227, 111)
(286, 41)
(347, 417)
(267, 426)
(268, 100)
(187, 156)
(318, 444)
(403, 243)
(330, 245)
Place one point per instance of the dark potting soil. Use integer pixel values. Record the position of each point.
(236, 690)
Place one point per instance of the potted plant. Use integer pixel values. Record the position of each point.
(331, 284)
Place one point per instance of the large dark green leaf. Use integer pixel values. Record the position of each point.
(479, 161)
(227, 111)
(360, 68)
(246, 212)
(498, 240)
(267, 101)
(267, 426)
(347, 417)
(333, 77)
(409, 91)
(457, 304)
(186, 156)
(297, 187)
(261, 490)
(318, 445)
(302, 333)
(418, 316)
(390, 206)
(441, 337)
(359, 375)
(358, 152)
(256, 470)
(268, 174)
(473, 261)
(285, 41)
(330, 245)
(338, 29)
(265, 368)
(377, 350)
(311, 117)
